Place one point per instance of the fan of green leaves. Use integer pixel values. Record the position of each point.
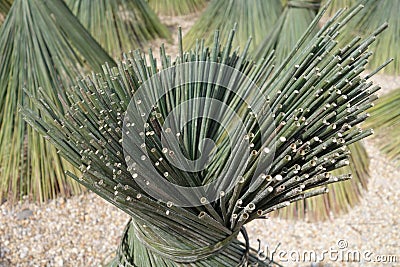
(41, 45)
(119, 25)
(316, 99)
(292, 24)
(176, 7)
(385, 117)
(253, 18)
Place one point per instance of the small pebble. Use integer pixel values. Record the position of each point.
(24, 214)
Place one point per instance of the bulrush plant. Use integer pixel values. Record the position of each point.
(176, 7)
(119, 25)
(43, 45)
(199, 146)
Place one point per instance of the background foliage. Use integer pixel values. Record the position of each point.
(42, 47)
(119, 25)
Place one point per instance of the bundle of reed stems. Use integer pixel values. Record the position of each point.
(275, 140)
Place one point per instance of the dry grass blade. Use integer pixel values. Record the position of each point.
(39, 46)
(176, 7)
(385, 118)
(316, 99)
(119, 25)
(253, 19)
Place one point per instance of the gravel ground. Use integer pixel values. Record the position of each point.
(81, 231)
(85, 230)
